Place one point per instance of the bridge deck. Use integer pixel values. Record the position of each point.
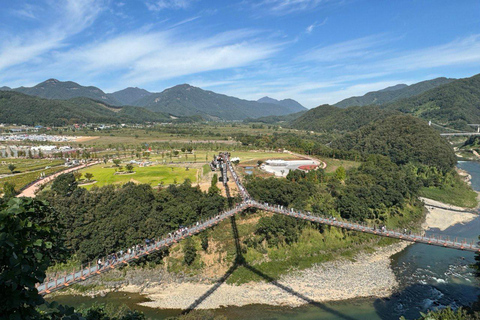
(50, 285)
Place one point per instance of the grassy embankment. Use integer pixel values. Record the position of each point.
(459, 193)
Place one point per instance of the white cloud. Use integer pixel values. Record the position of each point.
(458, 52)
(310, 28)
(365, 47)
(75, 16)
(281, 7)
(142, 58)
(159, 5)
(27, 11)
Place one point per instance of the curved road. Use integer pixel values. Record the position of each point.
(31, 190)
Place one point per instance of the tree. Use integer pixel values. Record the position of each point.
(88, 176)
(189, 251)
(77, 175)
(213, 186)
(26, 241)
(11, 167)
(116, 162)
(204, 239)
(65, 184)
(9, 190)
(341, 173)
(129, 167)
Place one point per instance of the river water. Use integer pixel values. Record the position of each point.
(429, 277)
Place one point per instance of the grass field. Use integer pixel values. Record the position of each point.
(27, 164)
(459, 195)
(333, 164)
(153, 175)
(21, 180)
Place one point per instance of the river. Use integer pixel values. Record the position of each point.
(429, 277)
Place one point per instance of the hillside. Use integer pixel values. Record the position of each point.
(327, 118)
(129, 95)
(291, 104)
(23, 109)
(404, 139)
(64, 90)
(186, 100)
(455, 104)
(277, 119)
(394, 93)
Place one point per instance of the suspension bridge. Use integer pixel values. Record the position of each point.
(124, 257)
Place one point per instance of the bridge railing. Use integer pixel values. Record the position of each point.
(123, 257)
(403, 234)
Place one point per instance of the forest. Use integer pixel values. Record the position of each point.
(107, 219)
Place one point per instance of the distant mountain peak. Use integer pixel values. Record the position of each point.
(290, 103)
(129, 95)
(52, 80)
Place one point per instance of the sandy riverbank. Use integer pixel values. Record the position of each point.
(442, 216)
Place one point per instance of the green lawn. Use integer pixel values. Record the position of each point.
(27, 164)
(459, 195)
(21, 180)
(333, 164)
(152, 175)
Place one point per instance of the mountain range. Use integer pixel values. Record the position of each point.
(393, 93)
(19, 108)
(449, 102)
(181, 100)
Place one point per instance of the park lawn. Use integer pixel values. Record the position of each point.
(153, 175)
(27, 164)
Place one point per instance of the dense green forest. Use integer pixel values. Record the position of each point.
(377, 191)
(404, 139)
(23, 109)
(454, 104)
(328, 118)
(107, 219)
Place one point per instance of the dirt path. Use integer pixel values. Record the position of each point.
(31, 190)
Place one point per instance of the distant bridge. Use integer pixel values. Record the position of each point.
(93, 269)
(457, 132)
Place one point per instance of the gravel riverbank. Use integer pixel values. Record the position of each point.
(369, 275)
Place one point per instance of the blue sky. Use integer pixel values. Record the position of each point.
(314, 51)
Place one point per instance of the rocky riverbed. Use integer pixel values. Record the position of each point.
(369, 275)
